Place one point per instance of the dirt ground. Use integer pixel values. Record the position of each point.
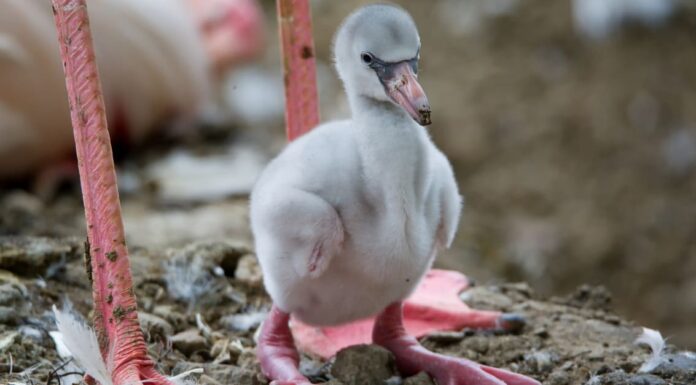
(208, 318)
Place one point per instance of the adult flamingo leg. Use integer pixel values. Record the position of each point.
(115, 318)
(412, 358)
(299, 67)
(276, 348)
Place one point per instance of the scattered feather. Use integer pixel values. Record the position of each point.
(205, 330)
(243, 322)
(182, 378)
(654, 340)
(187, 280)
(80, 342)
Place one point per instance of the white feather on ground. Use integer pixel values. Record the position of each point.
(77, 340)
(81, 342)
(654, 340)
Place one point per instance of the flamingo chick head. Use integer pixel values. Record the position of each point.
(232, 30)
(377, 50)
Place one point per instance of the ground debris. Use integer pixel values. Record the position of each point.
(37, 255)
(568, 340)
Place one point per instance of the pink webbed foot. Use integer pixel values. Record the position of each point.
(276, 351)
(412, 358)
(434, 306)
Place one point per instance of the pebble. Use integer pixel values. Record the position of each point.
(540, 361)
(558, 377)
(188, 342)
(8, 339)
(223, 374)
(8, 315)
(171, 315)
(35, 255)
(421, 378)
(11, 294)
(155, 326)
(363, 365)
(248, 271)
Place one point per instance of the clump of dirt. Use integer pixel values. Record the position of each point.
(569, 340)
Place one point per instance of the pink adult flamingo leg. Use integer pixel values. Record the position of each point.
(276, 349)
(115, 320)
(299, 67)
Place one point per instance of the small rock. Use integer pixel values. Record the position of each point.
(223, 374)
(541, 332)
(188, 342)
(224, 254)
(9, 315)
(363, 365)
(248, 270)
(34, 255)
(676, 364)
(558, 377)
(205, 380)
(421, 378)
(540, 362)
(646, 379)
(155, 326)
(171, 315)
(11, 294)
(8, 339)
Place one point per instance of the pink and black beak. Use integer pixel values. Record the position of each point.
(400, 81)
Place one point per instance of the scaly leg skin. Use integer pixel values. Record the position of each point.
(116, 321)
(412, 358)
(299, 67)
(276, 351)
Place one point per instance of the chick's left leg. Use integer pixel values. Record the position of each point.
(276, 351)
(412, 358)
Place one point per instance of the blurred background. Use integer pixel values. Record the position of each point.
(571, 125)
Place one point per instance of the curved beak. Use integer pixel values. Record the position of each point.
(401, 84)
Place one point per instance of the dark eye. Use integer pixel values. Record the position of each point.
(367, 57)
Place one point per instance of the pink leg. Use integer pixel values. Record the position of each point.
(276, 351)
(412, 358)
(116, 319)
(301, 102)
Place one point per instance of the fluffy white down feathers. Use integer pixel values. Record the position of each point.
(349, 217)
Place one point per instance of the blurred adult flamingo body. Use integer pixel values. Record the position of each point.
(156, 57)
(348, 218)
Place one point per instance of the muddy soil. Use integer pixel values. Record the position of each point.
(207, 320)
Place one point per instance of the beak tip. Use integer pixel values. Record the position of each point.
(424, 117)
